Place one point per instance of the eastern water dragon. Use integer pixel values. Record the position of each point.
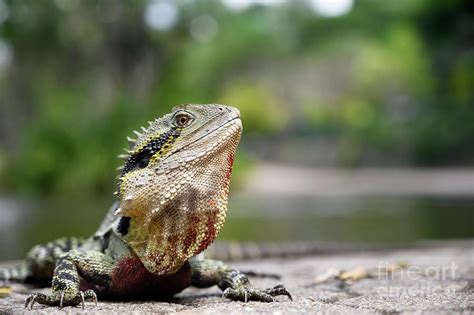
(172, 201)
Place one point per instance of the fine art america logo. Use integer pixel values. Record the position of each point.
(399, 280)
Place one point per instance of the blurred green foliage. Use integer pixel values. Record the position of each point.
(389, 83)
(258, 106)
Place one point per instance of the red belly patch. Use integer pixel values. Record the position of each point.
(131, 280)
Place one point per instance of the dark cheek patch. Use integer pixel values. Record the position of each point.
(123, 225)
(154, 147)
(151, 148)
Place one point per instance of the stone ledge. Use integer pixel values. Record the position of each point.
(400, 293)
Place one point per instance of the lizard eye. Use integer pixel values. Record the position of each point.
(183, 119)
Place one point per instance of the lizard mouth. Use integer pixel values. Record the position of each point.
(234, 125)
(231, 122)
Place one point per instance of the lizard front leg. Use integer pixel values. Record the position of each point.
(235, 284)
(91, 265)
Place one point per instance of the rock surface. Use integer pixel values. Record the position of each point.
(434, 279)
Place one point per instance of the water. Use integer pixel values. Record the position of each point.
(368, 219)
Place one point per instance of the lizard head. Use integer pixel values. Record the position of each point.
(174, 185)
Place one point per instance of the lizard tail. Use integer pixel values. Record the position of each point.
(233, 251)
(18, 273)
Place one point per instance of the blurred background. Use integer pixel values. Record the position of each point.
(358, 114)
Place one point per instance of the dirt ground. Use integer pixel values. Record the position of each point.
(431, 279)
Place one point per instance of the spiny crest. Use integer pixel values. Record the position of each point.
(155, 128)
(132, 142)
(150, 144)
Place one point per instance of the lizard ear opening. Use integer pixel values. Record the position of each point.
(138, 161)
(142, 159)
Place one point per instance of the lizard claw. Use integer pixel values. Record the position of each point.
(279, 290)
(246, 294)
(82, 299)
(61, 298)
(88, 294)
(30, 300)
(91, 294)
